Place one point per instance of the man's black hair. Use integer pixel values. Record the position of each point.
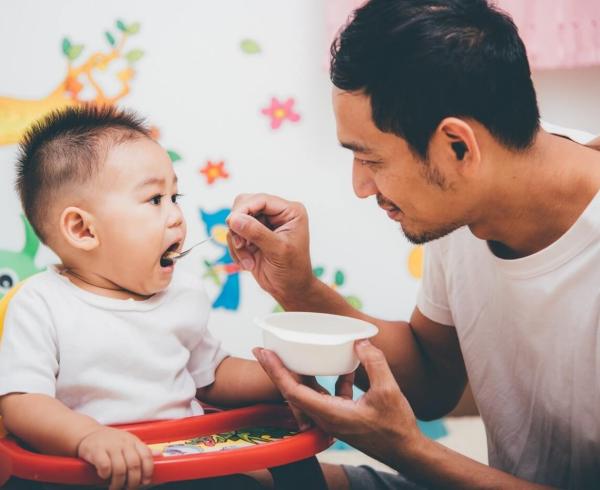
(67, 147)
(420, 61)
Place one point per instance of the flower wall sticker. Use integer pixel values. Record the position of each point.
(17, 114)
(214, 171)
(280, 111)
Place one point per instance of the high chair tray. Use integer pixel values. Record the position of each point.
(263, 451)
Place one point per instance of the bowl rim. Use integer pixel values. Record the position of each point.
(315, 338)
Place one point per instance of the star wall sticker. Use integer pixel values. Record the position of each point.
(214, 171)
(280, 111)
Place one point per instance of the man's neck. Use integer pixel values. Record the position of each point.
(538, 195)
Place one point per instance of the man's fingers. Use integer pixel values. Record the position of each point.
(303, 420)
(344, 386)
(302, 397)
(251, 229)
(241, 251)
(260, 204)
(314, 384)
(278, 373)
(375, 364)
(234, 242)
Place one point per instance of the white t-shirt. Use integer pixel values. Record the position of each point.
(529, 331)
(117, 361)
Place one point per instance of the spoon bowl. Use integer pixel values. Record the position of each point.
(170, 257)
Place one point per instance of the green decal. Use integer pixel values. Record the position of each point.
(133, 28)
(339, 279)
(134, 55)
(174, 156)
(249, 46)
(16, 266)
(110, 38)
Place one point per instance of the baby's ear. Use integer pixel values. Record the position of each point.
(77, 227)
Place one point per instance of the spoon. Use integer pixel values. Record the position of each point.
(168, 258)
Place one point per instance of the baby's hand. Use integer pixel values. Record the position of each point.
(117, 455)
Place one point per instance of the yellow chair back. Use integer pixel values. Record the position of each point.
(3, 308)
(4, 305)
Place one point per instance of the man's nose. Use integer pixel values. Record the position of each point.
(362, 181)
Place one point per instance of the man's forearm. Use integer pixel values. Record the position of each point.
(430, 392)
(317, 297)
(435, 466)
(45, 423)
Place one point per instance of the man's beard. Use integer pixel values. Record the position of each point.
(433, 177)
(418, 238)
(428, 236)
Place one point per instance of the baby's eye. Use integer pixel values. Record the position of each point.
(156, 199)
(175, 198)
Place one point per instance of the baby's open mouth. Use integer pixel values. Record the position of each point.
(168, 258)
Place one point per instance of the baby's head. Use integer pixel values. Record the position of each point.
(102, 194)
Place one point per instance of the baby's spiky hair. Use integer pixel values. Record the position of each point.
(67, 147)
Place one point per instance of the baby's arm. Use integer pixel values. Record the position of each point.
(51, 427)
(239, 382)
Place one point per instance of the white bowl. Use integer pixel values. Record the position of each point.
(315, 344)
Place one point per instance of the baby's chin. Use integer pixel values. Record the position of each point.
(164, 280)
(151, 287)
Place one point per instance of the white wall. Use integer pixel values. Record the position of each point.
(205, 95)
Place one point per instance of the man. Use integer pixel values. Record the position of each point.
(435, 100)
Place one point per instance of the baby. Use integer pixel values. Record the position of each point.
(113, 334)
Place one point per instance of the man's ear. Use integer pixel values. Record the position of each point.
(77, 227)
(459, 141)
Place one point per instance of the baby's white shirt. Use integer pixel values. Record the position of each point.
(118, 361)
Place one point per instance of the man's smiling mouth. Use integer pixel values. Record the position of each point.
(387, 205)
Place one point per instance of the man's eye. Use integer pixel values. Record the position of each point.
(156, 199)
(366, 162)
(175, 198)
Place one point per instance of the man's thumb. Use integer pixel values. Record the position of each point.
(374, 362)
(251, 229)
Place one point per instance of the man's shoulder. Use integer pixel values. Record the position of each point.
(577, 135)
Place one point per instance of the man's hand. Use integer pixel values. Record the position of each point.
(378, 423)
(117, 455)
(269, 237)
